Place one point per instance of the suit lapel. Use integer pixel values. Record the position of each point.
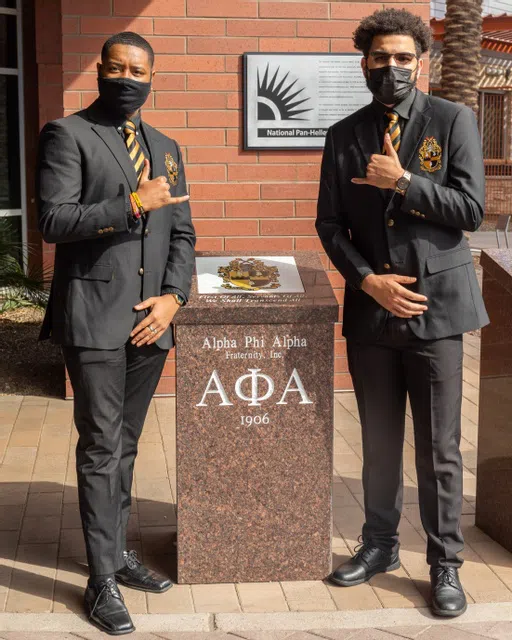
(415, 129)
(367, 137)
(154, 164)
(152, 144)
(158, 155)
(116, 146)
(104, 129)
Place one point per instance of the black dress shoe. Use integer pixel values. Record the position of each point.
(368, 561)
(136, 576)
(448, 597)
(105, 609)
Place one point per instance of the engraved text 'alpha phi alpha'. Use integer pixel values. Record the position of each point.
(253, 381)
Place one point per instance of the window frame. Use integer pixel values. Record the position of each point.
(18, 71)
(505, 151)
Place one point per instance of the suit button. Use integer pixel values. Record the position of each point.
(391, 222)
(146, 232)
(141, 271)
(100, 231)
(387, 266)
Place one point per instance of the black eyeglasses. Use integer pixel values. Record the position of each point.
(384, 59)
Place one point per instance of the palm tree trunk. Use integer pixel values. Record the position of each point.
(461, 52)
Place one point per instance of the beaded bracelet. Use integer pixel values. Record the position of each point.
(135, 209)
(138, 202)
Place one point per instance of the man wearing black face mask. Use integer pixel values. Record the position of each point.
(113, 197)
(401, 179)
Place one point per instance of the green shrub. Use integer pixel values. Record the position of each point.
(19, 287)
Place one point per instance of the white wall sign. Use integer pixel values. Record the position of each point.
(290, 99)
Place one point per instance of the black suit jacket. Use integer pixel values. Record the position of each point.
(368, 230)
(104, 265)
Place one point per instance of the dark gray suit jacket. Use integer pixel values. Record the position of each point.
(366, 230)
(104, 265)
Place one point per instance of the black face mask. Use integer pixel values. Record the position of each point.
(123, 96)
(390, 85)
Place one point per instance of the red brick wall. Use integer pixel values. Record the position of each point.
(240, 200)
(48, 19)
(497, 197)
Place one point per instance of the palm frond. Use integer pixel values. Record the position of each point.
(18, 288)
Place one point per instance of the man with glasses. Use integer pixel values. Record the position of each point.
(401, 180)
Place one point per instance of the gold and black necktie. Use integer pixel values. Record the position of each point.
(393, 129)
(134, 149)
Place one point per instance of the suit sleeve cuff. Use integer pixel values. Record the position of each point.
(412, 196)
(357, 285)
(168, 290)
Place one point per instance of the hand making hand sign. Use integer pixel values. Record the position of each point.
(383, 171)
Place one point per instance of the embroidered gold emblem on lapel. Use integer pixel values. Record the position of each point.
(430, 155)
(172, 169)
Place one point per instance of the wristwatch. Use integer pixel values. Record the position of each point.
(178, 298)
(402, 184)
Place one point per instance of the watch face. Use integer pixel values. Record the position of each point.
(402, 183)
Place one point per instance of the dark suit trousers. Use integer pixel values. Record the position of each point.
(430, 371)
(113, 390)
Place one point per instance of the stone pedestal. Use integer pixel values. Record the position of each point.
(255, 432)
(494, 473)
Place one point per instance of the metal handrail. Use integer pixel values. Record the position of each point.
(502, 224)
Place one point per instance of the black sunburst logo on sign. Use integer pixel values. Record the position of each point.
(275, 102)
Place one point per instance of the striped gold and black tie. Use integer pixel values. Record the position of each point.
(393, 129)
(134, 149)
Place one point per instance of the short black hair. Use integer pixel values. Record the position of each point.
(133, 40)
(392, 22)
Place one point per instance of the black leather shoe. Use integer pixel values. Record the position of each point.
(368, 561)
(136, 576)
(105, 609)
(448, 597)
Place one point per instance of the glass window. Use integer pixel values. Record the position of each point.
(8, 4)
(8, 51)
(10, 185)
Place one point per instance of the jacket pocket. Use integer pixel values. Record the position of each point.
(448, 260)
(103, 272)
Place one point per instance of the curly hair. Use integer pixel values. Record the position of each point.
(392, 22)
(133, 40)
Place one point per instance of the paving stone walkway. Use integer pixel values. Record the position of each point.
(475, 631)
(42, 563)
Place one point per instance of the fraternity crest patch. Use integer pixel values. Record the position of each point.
(172, 169)
(430, 155)
(250, 274)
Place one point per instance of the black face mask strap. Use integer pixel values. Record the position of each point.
(416, 70)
